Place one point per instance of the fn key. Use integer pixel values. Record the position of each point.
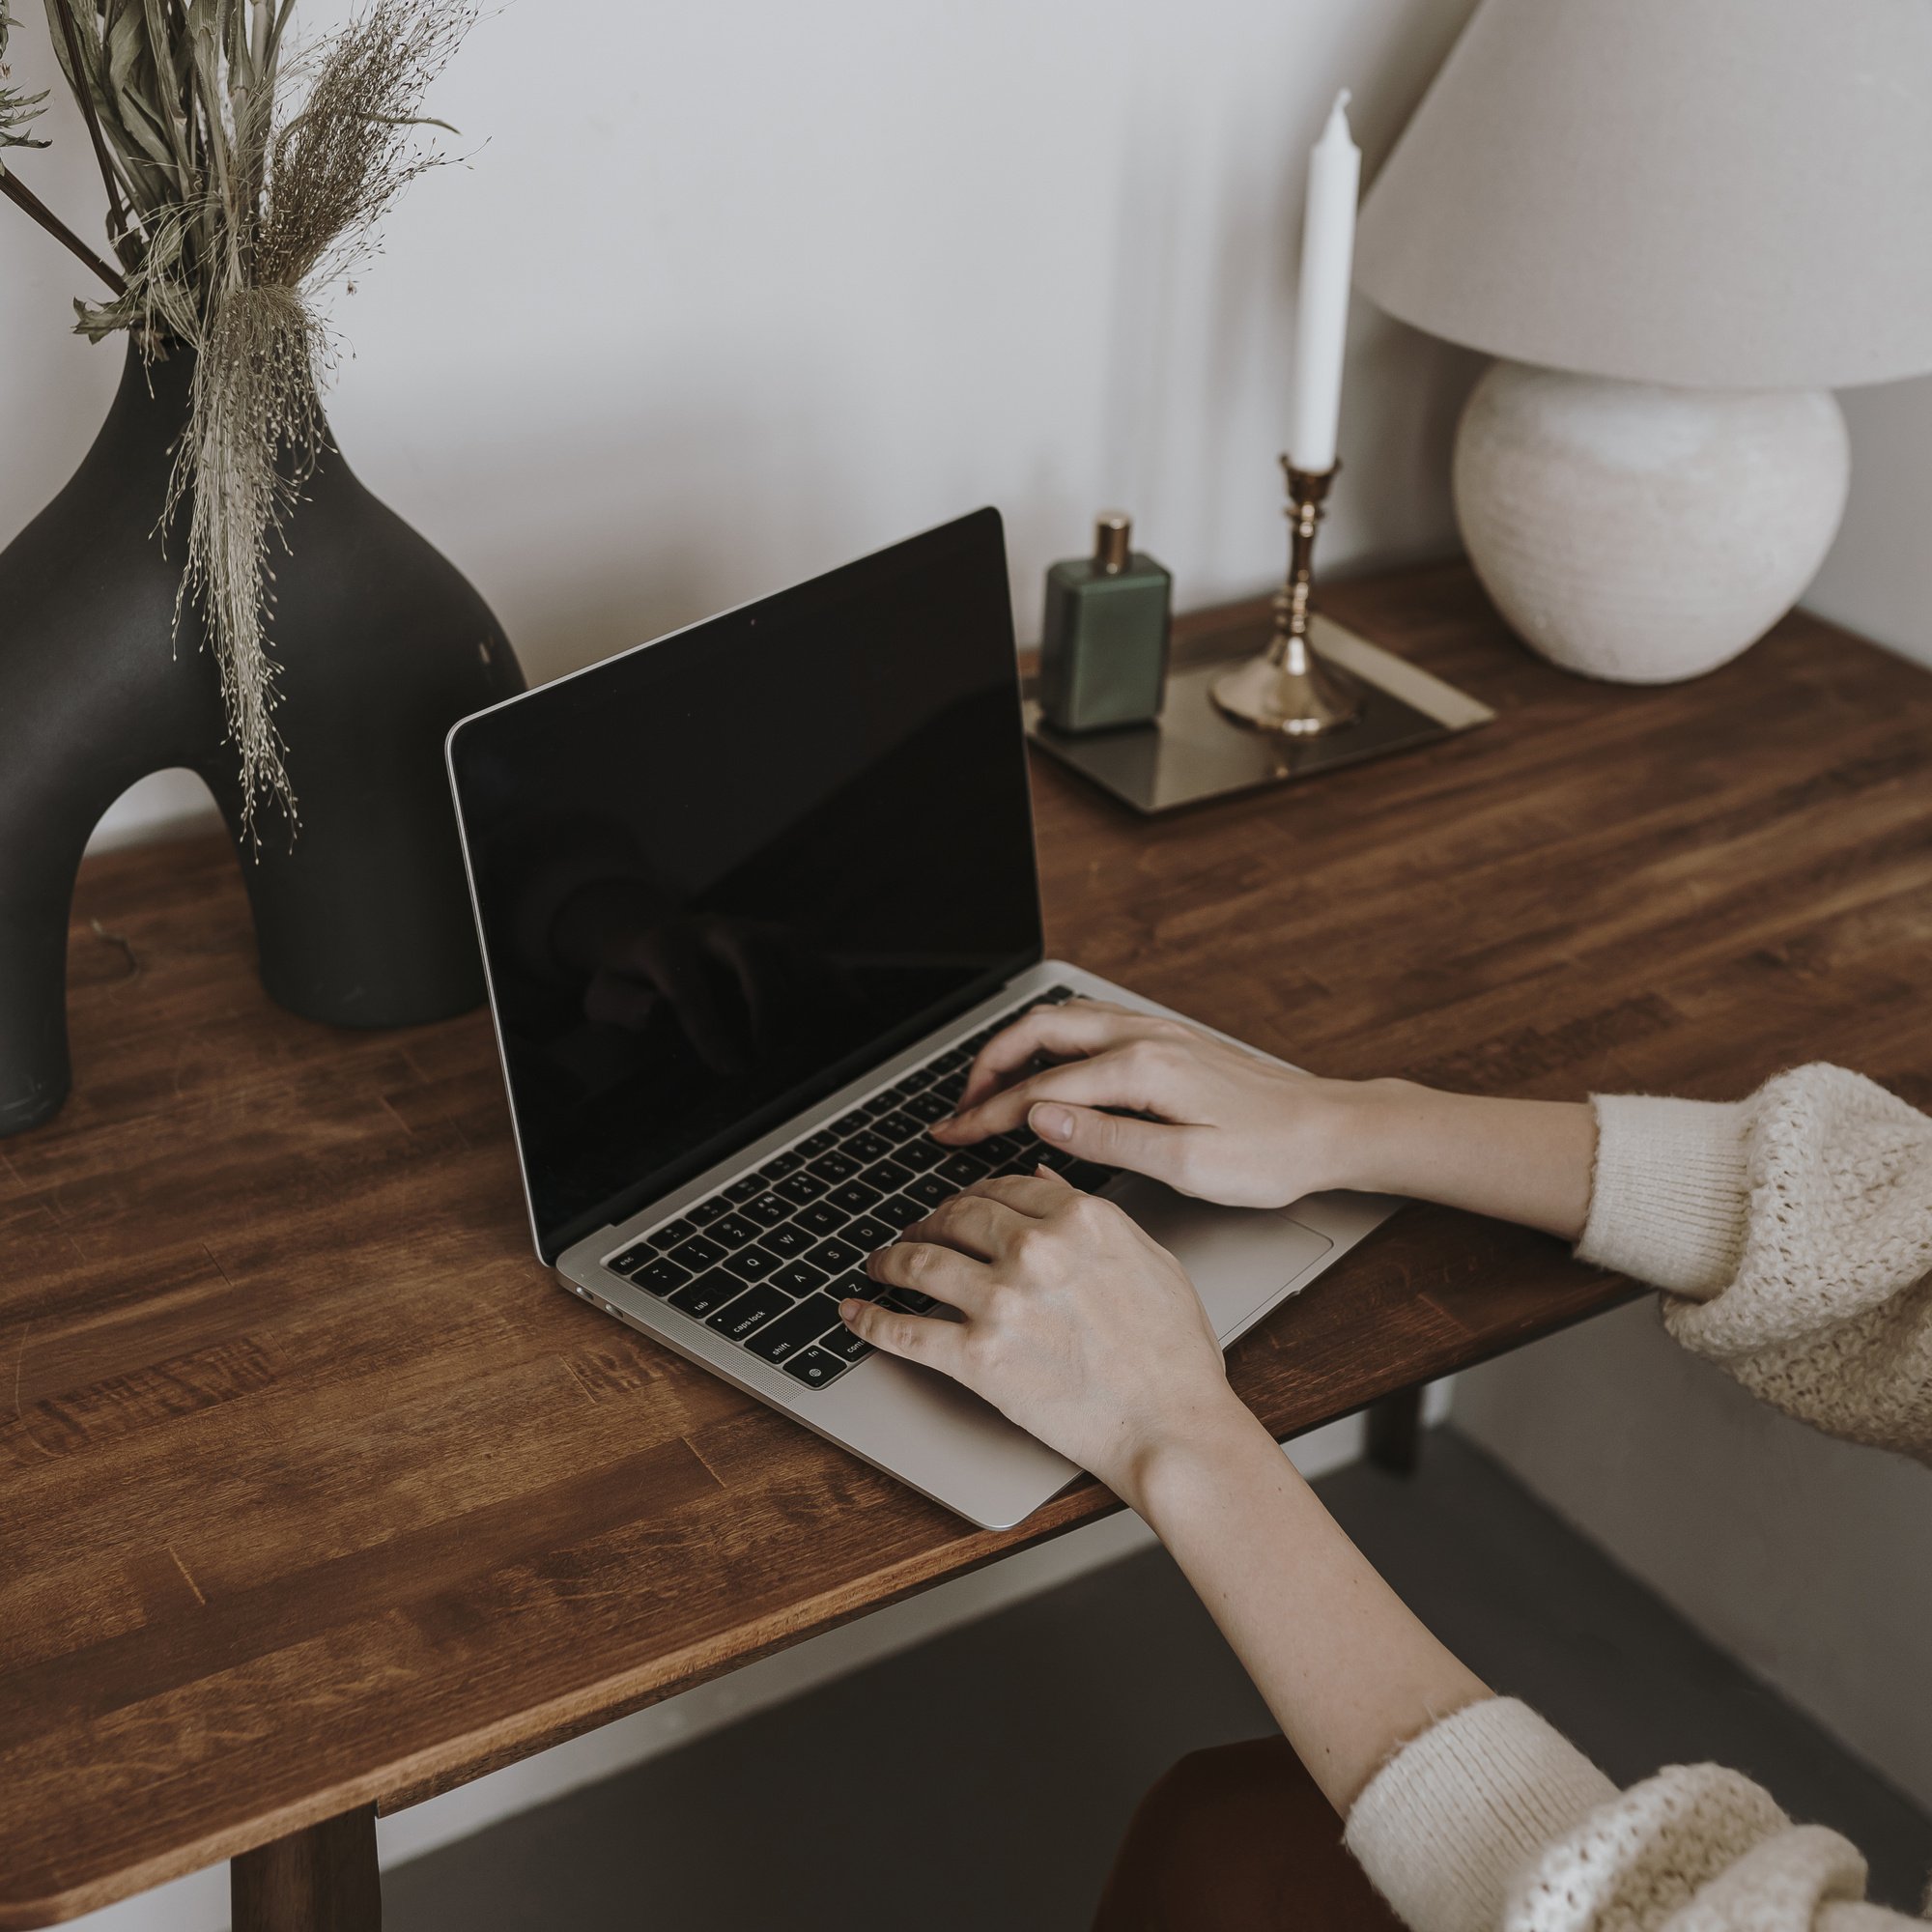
(814, 1367)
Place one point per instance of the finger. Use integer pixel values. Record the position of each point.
(1154, 1147)
(918, 1338)
(942, 1272)
(976, 1224)
(1112, 1078)
(1080, 1027)
(1034, 1195)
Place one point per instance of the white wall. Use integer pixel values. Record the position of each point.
(1878, 577)
(725, 295)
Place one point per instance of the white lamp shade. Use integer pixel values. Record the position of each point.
(1710, 193)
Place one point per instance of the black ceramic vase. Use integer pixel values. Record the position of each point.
(362, 918)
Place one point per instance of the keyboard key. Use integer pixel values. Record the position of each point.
(836, 1257)
(732, 1230)
(932, 1189)
(815, 1368)
(660, 1274)
(920, 1154)
(707, 1211)
(867, 1148)
(790, 1240)
(781, 1164)
(900, 1211)
(961, 1169)
(919, 1077)
(741, 1191)
(1056, 1158)
(797, 1330)
(880, 1104)
(846, 1346)
(886, 1176)
(848, 1124)
(855, 1197)
(815, 1145)
(996, 1150)
(910, 1302)
(631, 1259)
(754, 1264)
(707, 1292)
(835, 1167)
(750, 1311)
(896, 1126)
(799, 1188)
(800, 1278)
(868, 1233)
(856, 1287)
(930, 1106)
(1090, 1176)
(672, 1233)
(947, 1063)
(821, 1217)
(767, 1209)
(697, 1254)
(947, 1090)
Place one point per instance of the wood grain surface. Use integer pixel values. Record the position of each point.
(316, 1493)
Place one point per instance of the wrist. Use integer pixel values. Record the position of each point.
(1166, 1478)
(1378, 1133)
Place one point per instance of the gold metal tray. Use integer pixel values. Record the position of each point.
(1194, 753)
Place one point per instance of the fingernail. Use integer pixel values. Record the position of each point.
(848, 1309)
(1054, 1124)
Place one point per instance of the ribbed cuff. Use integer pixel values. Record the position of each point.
(1447, 1825)
(1669, 1199)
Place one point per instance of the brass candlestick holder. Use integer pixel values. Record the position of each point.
(1289, 688)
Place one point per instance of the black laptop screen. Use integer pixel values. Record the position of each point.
(721, 875)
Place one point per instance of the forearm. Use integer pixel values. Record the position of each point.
(1520, 1161)
(1348, 1672)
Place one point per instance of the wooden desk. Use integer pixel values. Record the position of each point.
(315, 1497)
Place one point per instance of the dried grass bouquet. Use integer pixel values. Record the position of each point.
(242, 178)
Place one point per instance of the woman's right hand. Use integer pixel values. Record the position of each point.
(1228, 1125)
(1225, 1124)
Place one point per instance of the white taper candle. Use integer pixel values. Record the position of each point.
(1321, 314)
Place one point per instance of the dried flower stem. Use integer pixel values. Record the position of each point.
(21, 195)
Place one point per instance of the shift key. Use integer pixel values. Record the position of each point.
(799, 1329)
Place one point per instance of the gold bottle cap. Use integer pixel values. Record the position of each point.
(1113, 541)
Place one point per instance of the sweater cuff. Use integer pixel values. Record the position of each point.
(1670, 1190)
(1448, 1823)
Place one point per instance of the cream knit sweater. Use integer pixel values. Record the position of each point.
(1792, 1233)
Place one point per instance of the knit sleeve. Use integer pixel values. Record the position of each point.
(1800, 1220)
(1490, 1822)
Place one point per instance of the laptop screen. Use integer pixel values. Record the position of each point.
(721, 875)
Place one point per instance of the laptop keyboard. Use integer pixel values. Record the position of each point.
(766, 1260)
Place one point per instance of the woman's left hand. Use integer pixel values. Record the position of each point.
(1075, 1324)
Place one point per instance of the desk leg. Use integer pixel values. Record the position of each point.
(320, 1879)
(1395, 1432)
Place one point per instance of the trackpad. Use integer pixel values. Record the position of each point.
(1240, 1258)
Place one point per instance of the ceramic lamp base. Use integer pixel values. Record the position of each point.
(1640, 533)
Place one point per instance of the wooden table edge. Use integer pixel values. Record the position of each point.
(431, 1773)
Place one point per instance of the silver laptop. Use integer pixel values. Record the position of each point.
(750, 898)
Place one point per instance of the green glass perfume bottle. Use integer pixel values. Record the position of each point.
(1104, 642)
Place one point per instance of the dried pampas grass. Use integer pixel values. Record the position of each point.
(242, 179)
